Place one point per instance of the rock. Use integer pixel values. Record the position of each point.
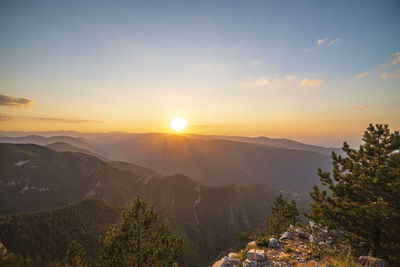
(285, 236)
(311, 238)
(312, 224)
(273, 243)
(226, 261)
(373, 262)
(300, 232)
(232, 255)
(222, 262)
(321, 243)
(249, 263)
(256, 255)
(291, 227)
(235, 262)
(251, 244)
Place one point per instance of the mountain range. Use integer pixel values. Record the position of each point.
(286, 165)
(38, 179)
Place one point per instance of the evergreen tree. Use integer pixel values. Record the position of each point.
(293, 213)
(283, 214)
(76, 255)
(140, 240)
(362, 194)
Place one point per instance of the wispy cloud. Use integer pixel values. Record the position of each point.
(310, 82)
(362, 106)
(391, 75)
(331, 42)
(68, 120)
(385, 75)
(290, 77)
(321, 41)
(4, 117)
(358, 76)
(6, 100)
(396, 59)
(263, 81)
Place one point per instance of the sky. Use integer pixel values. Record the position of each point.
(314, 71)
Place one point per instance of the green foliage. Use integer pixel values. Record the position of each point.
(288, 249)
(49, 233)
(140, 240)
(76, 256)
(263, 240)
(284, 213)
(363, 194)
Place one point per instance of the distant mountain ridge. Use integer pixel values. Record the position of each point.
(218, 162)
(212, 160)
(64, 146)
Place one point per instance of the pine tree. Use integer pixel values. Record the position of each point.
(140, 240)
(283, 214)
(293, 213)
(362, 194)
(76, 255)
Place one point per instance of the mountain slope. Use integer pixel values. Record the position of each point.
(218, 162)
(77, 142)
(36, 178)
(63, 147)
(280, 143)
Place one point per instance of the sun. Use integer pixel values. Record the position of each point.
(178, 124)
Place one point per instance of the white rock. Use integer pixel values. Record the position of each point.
(224, 262)
(251, 244)
(286, 235)
(291, 227)
(232, 255)
(256, 255)
(273, 243)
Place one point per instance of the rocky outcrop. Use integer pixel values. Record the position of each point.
(230, 260)
(297, 247)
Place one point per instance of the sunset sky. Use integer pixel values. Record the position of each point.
(313, 71)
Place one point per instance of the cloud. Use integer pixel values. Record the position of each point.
(290, 77)
(361, 75)
(263, 81)
(396, 59)
(6, 100)
(321, 41)
(391, 75)
(4, 117)
(331, 42)
(360, 107)
(310, 82)
(68, 120)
